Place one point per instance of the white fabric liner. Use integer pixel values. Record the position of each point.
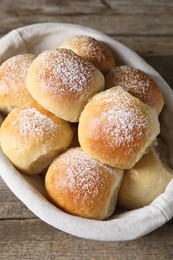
(30, 189)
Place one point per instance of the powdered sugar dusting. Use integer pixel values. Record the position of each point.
(84, 175)
(13, 74)
(90, 48)
(137, 82)
(32, 123)
(121, 122)
(63, 72)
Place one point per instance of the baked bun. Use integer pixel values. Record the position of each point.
(117, 128)
(92, 50)
(62, 82)
(144, 182)
(13, 90)
(83, 186)
(31, 137)
(138, 83)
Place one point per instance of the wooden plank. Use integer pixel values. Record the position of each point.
(11, 206)
(148, 45)
(162, 64)
(112, 17)
(88, 7)
(33, 239)
(108, 23)
(154, 7)
(54, 6)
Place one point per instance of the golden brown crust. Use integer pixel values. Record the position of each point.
(62, 82)
(137, 83)
(144, 182)
(116, 128)
(92, 50)
(31, 137)
(83, 186)
(13, 90)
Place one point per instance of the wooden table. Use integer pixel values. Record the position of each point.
(145, 27)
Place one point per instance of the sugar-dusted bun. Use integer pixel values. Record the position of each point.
(92, 50)
(116, 128)
(62, 82)
(138, 83)
(144, 182)
(13, 90)
(31, 137)
(83, 186)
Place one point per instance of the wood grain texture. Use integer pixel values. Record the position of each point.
(10, 206)
(108, 23)
(111, 17)
(19, 239)
(148, 45)
(147, 28)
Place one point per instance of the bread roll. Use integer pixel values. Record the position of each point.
(137, 83)
(144, 182)
(62, 82)
(13, 91)
(31, 137)
(83, 186)
(92, 50)
(117, 128)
